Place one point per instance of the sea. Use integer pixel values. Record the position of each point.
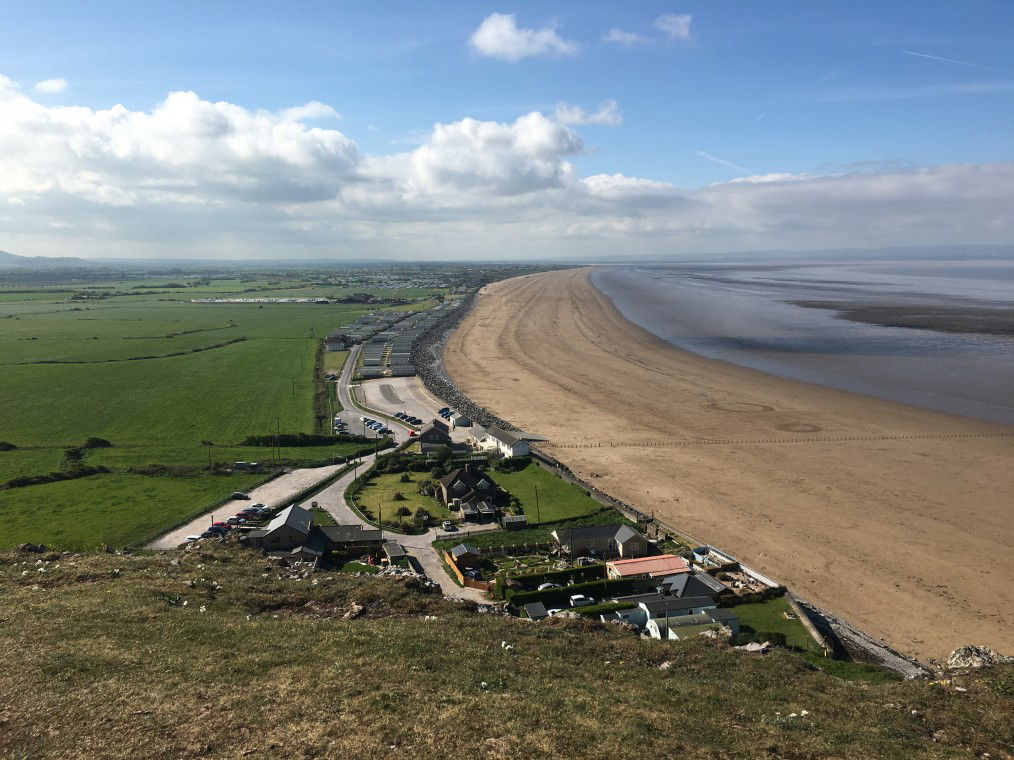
(743, 313)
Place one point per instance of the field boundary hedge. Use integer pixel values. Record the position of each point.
(532, 580)
(615, 587)
(23, 481)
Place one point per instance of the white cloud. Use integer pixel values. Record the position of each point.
(499, 36)
(608, 113)
(621, 37)
(197, 178)
(676, 26)
(50, 86)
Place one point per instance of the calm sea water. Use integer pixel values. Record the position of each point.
(740, 313)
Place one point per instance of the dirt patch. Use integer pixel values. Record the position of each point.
(740, 406)
(798, 427)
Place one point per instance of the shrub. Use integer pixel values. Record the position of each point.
(73, 454)
(96, 443)
(7, 446)
(405, 478)
(403, 511)
(52, 477)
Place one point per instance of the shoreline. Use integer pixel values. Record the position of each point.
(791, 477)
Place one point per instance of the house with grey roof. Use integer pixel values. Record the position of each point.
(466, 555)
(293, 533)
(602, 540)
(508, 443)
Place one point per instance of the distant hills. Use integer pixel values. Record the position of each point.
(13, 261)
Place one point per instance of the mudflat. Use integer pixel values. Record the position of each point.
(897, 518)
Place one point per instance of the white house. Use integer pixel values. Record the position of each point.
(508, 443)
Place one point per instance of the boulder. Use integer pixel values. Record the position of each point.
(975, 657)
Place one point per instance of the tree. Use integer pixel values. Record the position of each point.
(426, 487)
(405, 478)
(403, 512)
(398, 496)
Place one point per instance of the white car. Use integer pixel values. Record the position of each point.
(544, 586)
(193, 538)
(554, 611)
(580, 600)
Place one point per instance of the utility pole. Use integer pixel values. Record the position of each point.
(538, 519)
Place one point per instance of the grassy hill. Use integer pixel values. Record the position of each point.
(218, 652)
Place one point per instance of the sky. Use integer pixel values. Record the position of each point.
(454, 130)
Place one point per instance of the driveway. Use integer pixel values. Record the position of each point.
(274, 493)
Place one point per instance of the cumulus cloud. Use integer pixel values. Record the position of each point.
(499, 36)
(621, 37)
(608, 113)
(201, 178)
(50, 86)
(676, 26)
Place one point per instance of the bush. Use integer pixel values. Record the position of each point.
(405, 478)
(7, 446)
(302, 439)
(73, 454)
(403, 511)
(52, 477)
(398, 496)
(96, 443)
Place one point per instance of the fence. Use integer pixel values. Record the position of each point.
(463, 579)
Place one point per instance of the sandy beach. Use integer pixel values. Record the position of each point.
(896, 518)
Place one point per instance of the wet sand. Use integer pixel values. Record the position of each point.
(897, 518)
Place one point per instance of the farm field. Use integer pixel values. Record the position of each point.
(115, 509)
(156, 375)
(557, 499)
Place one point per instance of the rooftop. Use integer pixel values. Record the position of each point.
(655, 567)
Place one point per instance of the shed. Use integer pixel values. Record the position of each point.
(466, 555)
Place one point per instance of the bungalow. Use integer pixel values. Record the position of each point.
(605, 540)
(466, 555)
(292, 532)
(506, 442)
(433, 436)
(694, 584)
(661, 566)
(678, 627)
(645, 607)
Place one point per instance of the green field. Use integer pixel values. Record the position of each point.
(115, 509)
(142, 366)
(557, 499)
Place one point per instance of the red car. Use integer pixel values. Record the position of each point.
(412, 434)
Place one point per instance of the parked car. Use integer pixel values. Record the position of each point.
(580, 600)
(444, 409)
(448, 525)
(472, 573)
(399, 415)
(412, 434)
(240, 495)
(235, 521)
(554, 611)
(193, 538)
(210, 534)
(544, 586)
(258, 505)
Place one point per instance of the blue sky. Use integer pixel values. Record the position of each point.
(734, 89)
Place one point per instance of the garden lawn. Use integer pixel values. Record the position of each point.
(379, 495)
(114, 509)
(557, 499)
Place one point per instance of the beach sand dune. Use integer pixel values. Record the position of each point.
(896, 518)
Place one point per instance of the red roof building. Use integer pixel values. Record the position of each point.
(659, 566)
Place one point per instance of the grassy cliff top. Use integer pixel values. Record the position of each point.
(216, 651)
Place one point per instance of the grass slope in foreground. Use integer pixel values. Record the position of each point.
(225, 655)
